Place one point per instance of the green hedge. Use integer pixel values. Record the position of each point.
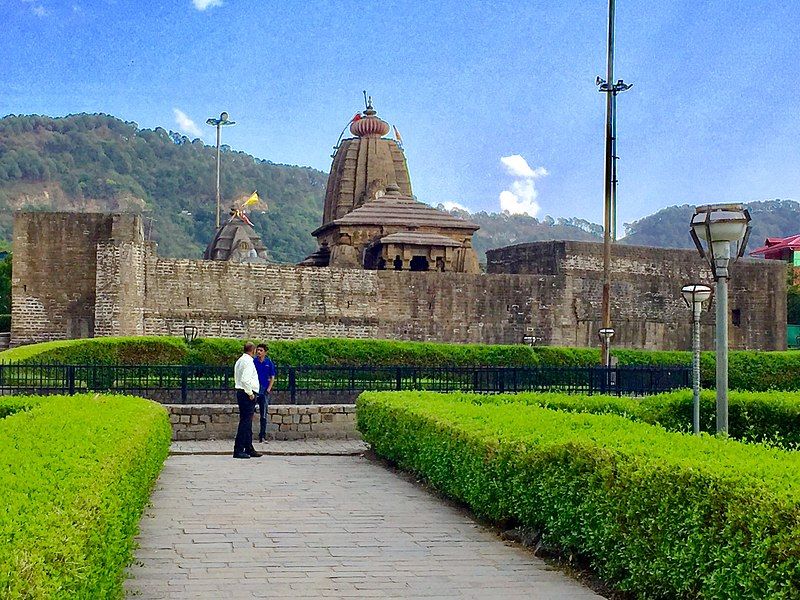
(749, 370)
(663, 515)
(14, 404)
(75, 475)
(772, 417)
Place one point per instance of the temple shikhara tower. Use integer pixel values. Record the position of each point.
(370, 218)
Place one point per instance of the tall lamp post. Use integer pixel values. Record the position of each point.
(218, 123)
(721, 226)
(694, 296)
(610, 89)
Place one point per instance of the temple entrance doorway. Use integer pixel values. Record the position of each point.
(419, 263)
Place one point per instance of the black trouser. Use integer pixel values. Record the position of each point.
(244, 434)
(263, 403)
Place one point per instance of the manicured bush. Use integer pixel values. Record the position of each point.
(75, 475)
(772, 417)
(13, 404)
(106, 351)
(748, 370)
(663, 515)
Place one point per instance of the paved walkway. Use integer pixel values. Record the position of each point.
(315, 447)
(301, 526)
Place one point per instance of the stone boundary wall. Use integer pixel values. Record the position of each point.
(53, 278)
(284, 302)
(286, 422)
(646, 305)
(81, 275)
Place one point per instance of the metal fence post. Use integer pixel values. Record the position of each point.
(184, 383)
(71, 379)
(399, 379)
(292, 385)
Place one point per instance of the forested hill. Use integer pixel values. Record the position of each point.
(504, 229)
(669, 227)
(100, 163)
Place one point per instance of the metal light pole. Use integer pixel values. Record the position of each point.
(218, 123)
(611, 90)
(694, 296)
(721, 225)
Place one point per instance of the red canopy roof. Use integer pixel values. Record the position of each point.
(774, 246)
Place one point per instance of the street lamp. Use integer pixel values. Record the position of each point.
(218, 123)
(605, 335)
(721, 225)
(694, 296)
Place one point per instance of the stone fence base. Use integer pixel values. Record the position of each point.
(286, 422)
(176, 396)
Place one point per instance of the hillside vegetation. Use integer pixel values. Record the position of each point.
(97, 162)
(669, 227)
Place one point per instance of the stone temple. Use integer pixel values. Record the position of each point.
(236, 241)
(371, 219)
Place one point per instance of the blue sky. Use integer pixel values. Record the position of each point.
(495, 101)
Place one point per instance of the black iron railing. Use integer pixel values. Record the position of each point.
(198, 384)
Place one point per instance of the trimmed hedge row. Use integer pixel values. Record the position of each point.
(772, 417)
(748, 370)
(14, 404)
(663, 515)
(75, 476)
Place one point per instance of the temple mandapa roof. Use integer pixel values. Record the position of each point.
(393, 208)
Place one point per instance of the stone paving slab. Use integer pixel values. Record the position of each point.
(321, 527)
(314, 446)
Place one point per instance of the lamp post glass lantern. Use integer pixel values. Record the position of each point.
(218, 123)
(725, 229)
(605, 335)
(694, 296)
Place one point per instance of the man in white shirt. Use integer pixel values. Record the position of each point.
(246, 382)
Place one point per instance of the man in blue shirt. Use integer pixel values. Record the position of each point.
(266, 378)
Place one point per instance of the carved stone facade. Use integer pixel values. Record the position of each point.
(371, 219)
(82, 275)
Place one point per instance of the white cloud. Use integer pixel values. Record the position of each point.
(450, 205)
(204, 4)
(521, 198)
(40, 11)
(185, 124)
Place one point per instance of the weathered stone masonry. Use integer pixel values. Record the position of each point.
(78, 275)
(646, 306)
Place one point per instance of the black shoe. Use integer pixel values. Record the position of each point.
(251, 452)
(241, 455)
(261, 439)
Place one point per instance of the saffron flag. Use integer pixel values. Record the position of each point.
(252, 200)
(397, 136)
